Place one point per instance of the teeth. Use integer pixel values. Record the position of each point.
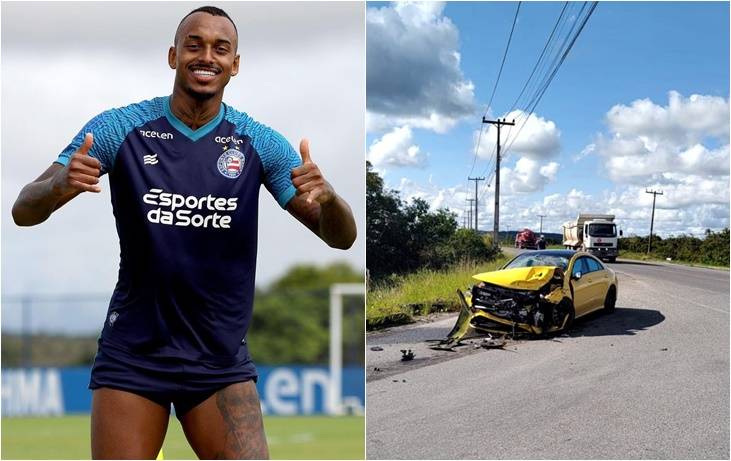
(204, 72)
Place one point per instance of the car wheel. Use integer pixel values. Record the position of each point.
(611, 260)
(611, 300)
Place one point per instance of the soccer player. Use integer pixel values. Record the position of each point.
(185, 172)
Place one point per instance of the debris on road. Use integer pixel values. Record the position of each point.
(377, 348)
(493, 343)
(406, 355)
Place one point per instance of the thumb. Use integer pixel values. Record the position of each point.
(305, 151)
(86, 145)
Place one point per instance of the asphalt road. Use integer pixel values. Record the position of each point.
(650, 380)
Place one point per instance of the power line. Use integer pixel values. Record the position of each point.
(544, 79)
(494, 88)
(543, 89)
(549, 41)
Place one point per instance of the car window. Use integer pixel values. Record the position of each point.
(532, 259)
(594, 265)
(579, 266)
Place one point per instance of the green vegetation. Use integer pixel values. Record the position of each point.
(48, 350)
(713, 250)
(654, 258)
(404, 237)
(301, 437)
(417, 258)
(291, 317)
(290, 325)
(421, 292)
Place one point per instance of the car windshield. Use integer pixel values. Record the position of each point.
(532, 259)
(602, 230)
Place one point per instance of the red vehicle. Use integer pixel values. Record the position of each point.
(525, 239)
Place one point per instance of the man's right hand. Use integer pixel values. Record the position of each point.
(57, 185)
(81, 174)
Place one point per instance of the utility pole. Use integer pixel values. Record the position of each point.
(541, 216)
(652, 220)
(476, 180)
(469, 213)
(496, 226)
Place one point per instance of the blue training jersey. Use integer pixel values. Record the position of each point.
(186, 207)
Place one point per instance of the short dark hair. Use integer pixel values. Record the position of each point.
(212, 10)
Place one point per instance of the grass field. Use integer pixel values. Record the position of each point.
(301, 437)
(426, 290)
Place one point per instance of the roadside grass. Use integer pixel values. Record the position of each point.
(624, 254)
(421, 293)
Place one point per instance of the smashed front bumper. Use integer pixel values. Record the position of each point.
(490, 308)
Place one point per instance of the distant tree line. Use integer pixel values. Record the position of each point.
(290, 325)
(402, 237)
(713, 249)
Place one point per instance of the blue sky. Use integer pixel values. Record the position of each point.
(641, 101)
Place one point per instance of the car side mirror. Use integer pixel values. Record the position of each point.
(576, 276)
(621, 233)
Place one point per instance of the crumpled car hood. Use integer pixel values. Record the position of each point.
(522, 278)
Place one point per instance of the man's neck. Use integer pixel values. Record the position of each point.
(194, 112)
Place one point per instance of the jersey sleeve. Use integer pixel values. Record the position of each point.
(103, 148)
(110, 128)
(278, 158)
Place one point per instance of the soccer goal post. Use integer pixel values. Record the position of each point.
(337, 292)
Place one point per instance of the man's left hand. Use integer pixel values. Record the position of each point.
(308, 179)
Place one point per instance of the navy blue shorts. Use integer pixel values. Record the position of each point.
(165, 382)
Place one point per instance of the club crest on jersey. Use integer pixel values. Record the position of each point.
(231, 163)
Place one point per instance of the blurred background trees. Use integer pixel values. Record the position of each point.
(290, 325)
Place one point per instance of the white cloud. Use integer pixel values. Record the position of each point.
(538, 139)
(586, 151)
(452, 198)
(396, 149)
(691, 206)
(679, 191)
(683, 120)
(648, 140)
(413, 68)
(534, 137)
(527, 176)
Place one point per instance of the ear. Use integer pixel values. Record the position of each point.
(171, 57)
(235, 67)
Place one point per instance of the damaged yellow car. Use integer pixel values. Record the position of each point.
(532, 294)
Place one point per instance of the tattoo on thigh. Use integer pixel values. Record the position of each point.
(241, 411)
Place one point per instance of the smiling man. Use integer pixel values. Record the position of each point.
(185, 173)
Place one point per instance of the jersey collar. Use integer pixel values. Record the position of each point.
(193, 135)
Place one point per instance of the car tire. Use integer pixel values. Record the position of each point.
(610, 300)
(611, 260)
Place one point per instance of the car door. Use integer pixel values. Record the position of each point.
(599, 283)
(581, 287)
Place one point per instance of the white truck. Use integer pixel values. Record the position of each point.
(593, 233)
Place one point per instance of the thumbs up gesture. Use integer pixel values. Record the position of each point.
(308, 179)
(82, 172)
